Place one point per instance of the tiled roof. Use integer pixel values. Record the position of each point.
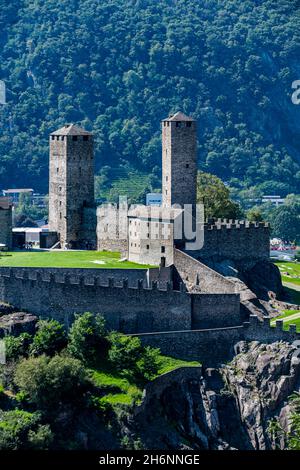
(179, 116)
(71, 129)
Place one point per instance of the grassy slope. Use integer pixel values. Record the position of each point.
(66, 259)
(120, 390)
(289, 267)
(286, 314)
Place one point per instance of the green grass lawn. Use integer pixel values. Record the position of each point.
(289, 267)
(66, 259)
(120, 391)
(285, 315)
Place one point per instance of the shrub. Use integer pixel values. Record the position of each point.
(51, 382)
(87, 337)
(17, 346)
(49, 339)
(41, 438)
(129, 357)
(15, 426)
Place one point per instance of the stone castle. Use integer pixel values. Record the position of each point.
(194, 301)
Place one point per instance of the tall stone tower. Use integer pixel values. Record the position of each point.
(6, 222)
(72, 212)
(179, 160)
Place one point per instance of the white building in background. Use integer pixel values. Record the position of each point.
(276, 200)
(153, 199)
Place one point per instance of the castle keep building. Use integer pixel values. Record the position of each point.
(71, 187)
(179, 160)
(6, 222)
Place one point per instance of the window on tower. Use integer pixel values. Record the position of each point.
(74, 137)
(85, 137)
(187, 165)
(189, 124)
(178, 124)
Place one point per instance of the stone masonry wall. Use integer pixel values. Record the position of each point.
(215, 310)
(207, 346)
(215, 346)
(125, 308)
(194, 273)
(240, 241)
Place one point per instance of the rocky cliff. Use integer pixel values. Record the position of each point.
(226, 408)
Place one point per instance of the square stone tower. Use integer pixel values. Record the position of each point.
(71, 186)
(179, 160)
(6, 222)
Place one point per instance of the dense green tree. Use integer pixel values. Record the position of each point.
(255, 214)
(130, 358)
(22, 430)
(215, 196)
(285, 222)
(49, 339)
(87, 337)
(51, 382)
(17, 346)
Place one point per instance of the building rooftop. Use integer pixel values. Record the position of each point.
(179, 116)
(17, 190)
(154, 212)
(71, 129)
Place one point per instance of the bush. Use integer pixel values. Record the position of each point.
(18, 428)
(41, 438)
(87, 338)
(51, 382)
(49, 339)
(17, 346)
(129, 357)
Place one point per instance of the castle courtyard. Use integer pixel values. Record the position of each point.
(66, 259)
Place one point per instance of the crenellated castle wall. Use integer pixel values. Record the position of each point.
(241, 241)
(127, 306)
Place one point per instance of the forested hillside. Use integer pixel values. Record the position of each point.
(119, 66)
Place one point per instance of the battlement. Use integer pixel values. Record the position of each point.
(44, 276)
(228, 224)
(261, 330)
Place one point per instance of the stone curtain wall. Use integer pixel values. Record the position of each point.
(192, 272)
(210, 347)
(126, 308)
(258, 330)
(243, 242)
(216, 346)
(215, 310)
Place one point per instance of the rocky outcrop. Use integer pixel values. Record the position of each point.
(17, 323)
(5, 309)
(226, 408)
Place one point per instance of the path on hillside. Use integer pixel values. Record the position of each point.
(290, 285)
(289, 318)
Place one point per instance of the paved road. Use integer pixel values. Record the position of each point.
(290, 285)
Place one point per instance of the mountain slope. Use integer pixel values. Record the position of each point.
(119, 67)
